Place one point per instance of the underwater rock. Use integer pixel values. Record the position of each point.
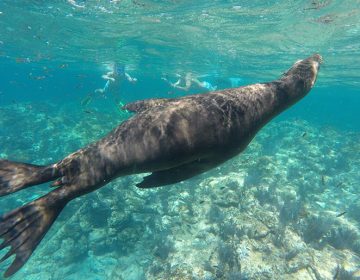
(354, 210)
(341, 273)
(227, 255)
(228, 230)
(315, 229)
(343, 236)
(164, 249)
(265, 195)
(99, 212)
(290, 211)
(215, 215)
(78, 250)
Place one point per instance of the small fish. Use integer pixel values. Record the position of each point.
(325, 19)
(341, 214)
(88, 112)
(339, 185)
(39, 77)
(316, 5)
(22, 60)
(138, 3)
(304, 134)
(202, 201)
(86, 100)
(323, 179)
(222, 188)
(62, 66)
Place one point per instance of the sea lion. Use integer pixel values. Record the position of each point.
(174, 139)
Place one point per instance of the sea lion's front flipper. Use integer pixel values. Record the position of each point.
(176, 174)
(142, 105)
(24, 227)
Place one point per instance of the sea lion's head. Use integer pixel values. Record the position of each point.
(300, 78)
(304, 72)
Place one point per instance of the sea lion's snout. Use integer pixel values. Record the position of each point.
(301, 77)
(309, 65)
(305, 71)
(316, 60)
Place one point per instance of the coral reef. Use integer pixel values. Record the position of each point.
(286, 208)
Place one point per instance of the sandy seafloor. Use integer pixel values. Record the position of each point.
(270, 213)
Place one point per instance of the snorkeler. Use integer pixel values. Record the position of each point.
(189, 80)
(114, 79)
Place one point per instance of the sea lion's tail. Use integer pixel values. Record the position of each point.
(24, 227)
(15, 176)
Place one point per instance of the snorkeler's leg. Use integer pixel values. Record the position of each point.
(197, 82)
(176, 84)
(99, 90)
(102, 91)
(185, 88)
(116, 100)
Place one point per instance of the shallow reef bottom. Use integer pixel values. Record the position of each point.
(287, 208)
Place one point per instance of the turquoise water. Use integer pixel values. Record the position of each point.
(274, 212)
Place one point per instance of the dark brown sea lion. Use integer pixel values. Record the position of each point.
(175, 139)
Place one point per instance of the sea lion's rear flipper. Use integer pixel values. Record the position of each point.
(24, 227)
(15, 176)
(142, 105)
(176, 174)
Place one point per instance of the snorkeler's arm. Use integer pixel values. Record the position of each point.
(176, 85)
(104, 89)
(130, 79)
(108, 77)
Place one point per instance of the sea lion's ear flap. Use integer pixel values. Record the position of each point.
(142, 105)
